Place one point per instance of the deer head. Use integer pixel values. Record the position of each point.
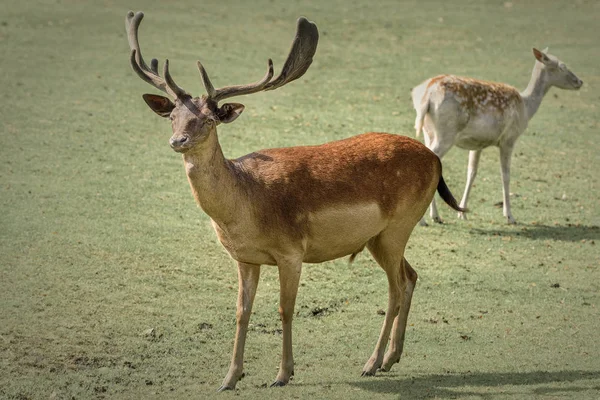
(558, 73)
(193, 118)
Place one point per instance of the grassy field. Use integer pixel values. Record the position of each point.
(113, 284)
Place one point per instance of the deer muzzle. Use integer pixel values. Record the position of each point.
(179, 143)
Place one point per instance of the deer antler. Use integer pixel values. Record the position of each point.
(150, 75)
(297, 63)
(238, 90)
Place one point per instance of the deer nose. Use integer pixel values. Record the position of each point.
(178, 141)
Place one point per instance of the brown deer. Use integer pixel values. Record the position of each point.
(311, 204)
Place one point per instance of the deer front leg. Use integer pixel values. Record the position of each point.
(248, 275)
(289, 278)
(505, 158)
(398, 330)
(474, 156)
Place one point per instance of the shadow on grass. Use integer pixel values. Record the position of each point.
(569, 233)
(450, 385)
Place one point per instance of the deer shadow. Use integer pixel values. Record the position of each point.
(565, 233)
(450, 385)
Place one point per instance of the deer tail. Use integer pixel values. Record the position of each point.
(447, 196)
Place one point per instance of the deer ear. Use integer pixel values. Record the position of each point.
(228, 112)
(159, 104)
(541, 57)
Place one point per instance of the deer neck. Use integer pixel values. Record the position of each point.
(536, 89)
(211, 180)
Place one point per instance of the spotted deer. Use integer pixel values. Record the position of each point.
(474, 114)
(309, 204)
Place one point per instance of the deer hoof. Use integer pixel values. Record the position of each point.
(389, 362)
(371, 367)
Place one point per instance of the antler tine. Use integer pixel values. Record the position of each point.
(179, 92)
(154, 65)
(300, 56)
(150, 75)
(210, 89)
(236, 90)
(132, 22)
(297, 63)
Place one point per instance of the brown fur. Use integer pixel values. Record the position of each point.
(475, 94)
(373, 167)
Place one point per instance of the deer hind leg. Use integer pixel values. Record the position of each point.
(399, 329)
(440, 146)
(388, 251)
(289, 278)
(474, 156)
(248, 275)
(427, 137)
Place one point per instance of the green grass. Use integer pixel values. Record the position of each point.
(100, 240)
